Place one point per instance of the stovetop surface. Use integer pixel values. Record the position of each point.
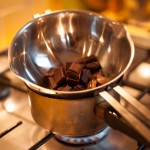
(16, 108)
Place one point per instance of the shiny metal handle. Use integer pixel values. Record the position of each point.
(130, 118)
(134, 102)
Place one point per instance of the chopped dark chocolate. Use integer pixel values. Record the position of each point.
(77, 68)
(102, 80)
(60, 88)
(92, 83)
(91, 58)
(59, 75)
(74, 72)
(72, 75)
(68, 64)
(85, 76)
(72, 82)
(67, 88)
(93, 65)
(78, 87)
(94, 75)
(87, 59)
(52, 83)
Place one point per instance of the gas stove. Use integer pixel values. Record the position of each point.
(18, 131)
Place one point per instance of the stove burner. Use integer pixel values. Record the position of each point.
(4, 89)
(85, 139)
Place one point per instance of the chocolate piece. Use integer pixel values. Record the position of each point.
(68, 64)
(94, 75)
(86, 76)
(72, 82)
(78, 87)
(59, 75)
(87, 59)
(91, 58)
(52, 82)
(51, 72)
(102, 80)
(67, 88)
(74, 71)
(93, 65)
(75, 67)
(97, 73)
(45, 82)
(61, 87)
(92, 83)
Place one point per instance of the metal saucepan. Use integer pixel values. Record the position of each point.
(59, 37)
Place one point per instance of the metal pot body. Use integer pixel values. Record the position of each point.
(69, 117)
(54, 39)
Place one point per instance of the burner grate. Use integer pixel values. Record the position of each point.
(42, 141)
(10, 129)
(126, 82)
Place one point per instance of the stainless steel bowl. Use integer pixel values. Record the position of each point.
(53, 39)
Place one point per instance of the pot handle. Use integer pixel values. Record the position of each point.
(139, 120)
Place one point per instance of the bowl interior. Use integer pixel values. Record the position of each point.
(57, 38)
